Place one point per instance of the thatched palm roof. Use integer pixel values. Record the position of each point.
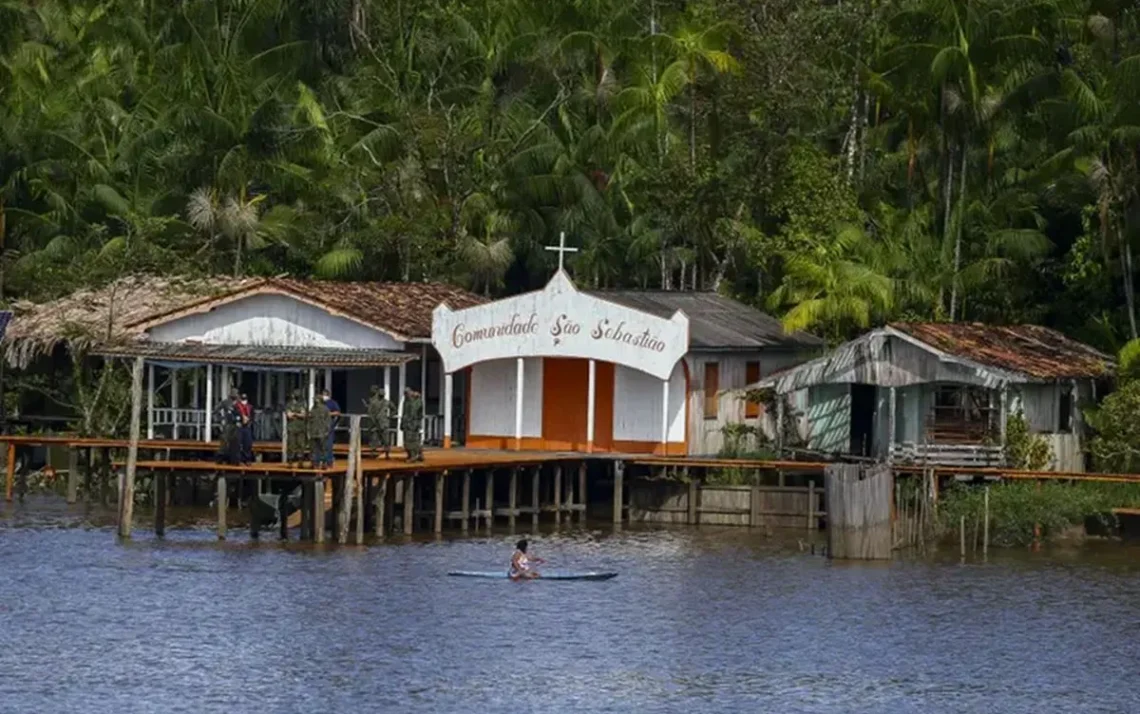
(102, 316)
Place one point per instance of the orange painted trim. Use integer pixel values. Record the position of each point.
(504, 443)
(589, 447)
(447, 442)
(534, 443)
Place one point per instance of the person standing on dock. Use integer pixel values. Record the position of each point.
(245, 429)
(334, 416)
(379, 417)
(413, 418)
(319, 423)
(229, 451)
(297, 424)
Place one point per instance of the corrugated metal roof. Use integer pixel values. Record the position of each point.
(715, 321)
(1039, 352)
(255, 355)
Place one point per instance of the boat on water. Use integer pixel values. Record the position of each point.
(552, 575)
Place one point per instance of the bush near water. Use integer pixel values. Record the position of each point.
(1017, 507)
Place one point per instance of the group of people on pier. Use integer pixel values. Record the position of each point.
(310, 430)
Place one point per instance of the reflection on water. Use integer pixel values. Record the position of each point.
(709, 620)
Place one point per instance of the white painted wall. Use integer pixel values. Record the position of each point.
(493, 398)
(638, 407)
(272, 320)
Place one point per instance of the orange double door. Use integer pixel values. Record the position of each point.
(565, 404)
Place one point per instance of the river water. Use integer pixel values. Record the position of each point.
(699, 620)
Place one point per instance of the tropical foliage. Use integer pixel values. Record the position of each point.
(843, 163)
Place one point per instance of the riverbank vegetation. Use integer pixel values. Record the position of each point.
(1018, 508)
(841, 164)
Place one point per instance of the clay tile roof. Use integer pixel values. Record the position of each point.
(1036, 351)
(402, 308)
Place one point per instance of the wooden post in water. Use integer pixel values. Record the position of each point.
(254, 520)
(490, 498)
(360, 484)
(812, 524)
(858, 512)
(619, 477)
(344, 512)
(319, 510)
(582, 492)
(557, 494)
(986, 527)
(72, 475)
(437, 524)
(693, 516)
(514, 497)
(127, 492)
(465, 507)
(754, 507)
(378, 503)
(535, 487)
(220, 501)
(409, 502)
(962, 536)
(10, 471)
(159, 504)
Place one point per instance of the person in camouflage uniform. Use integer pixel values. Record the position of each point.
(319, 423)
(296, 438)
(379, 417)
(229, 450)
(412, 424)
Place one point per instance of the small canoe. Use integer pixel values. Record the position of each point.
(502, 575)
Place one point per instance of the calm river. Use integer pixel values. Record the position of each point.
(699, 620)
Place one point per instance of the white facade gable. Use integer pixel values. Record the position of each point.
(272, 319)
(559, 321)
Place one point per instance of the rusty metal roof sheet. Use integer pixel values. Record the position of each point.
(257, 355)
(716, 322)
(1038, 352)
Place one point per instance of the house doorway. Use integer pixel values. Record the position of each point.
(862, 419)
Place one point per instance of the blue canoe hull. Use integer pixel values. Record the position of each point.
(502, 575)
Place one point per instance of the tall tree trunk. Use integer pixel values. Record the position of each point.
(693, 119)
(1129, 281)
(947, 202)
(958, 230)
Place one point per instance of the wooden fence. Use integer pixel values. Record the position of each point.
(666, 501)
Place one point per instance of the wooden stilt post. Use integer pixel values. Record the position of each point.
(583, 496)
(378, 505)
(514, 497)
(409, 502)
(10, 469)
(254, 520)
(619, 478)
(220, 500)
(437, 525)
(489, 503)
(535, 493)
(72, 475)
(344, 512)
(694, 496)
(319, 510)
(465, 508)
(283, 520)
(360, 483)
(127, 492)
(558, 493)
(812, 523)
(159, 503)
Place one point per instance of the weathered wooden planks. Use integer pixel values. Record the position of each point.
(859, 512)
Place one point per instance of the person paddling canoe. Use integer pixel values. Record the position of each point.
(521, 562)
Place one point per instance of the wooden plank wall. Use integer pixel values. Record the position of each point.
(767, 506)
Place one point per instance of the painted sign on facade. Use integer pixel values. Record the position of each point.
(559, 321)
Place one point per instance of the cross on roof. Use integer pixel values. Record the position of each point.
(561, 248)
